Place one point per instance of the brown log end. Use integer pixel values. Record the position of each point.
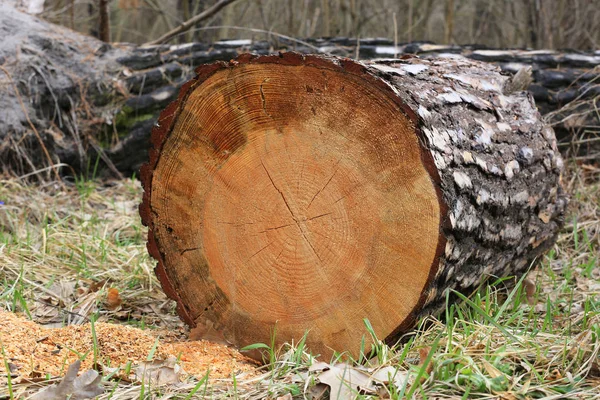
(292, 193)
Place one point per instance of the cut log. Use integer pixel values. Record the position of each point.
(307, 193)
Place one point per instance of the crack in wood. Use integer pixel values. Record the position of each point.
(182, 252)
(236, 224)
(275, 228)
(326, 184)
(249, 258)
(296, 220)
(319, 216)
(264, 100)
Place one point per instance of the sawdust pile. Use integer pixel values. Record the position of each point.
(35, 351)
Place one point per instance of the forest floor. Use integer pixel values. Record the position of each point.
(76, 283)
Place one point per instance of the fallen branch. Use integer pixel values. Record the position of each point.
(191, 22)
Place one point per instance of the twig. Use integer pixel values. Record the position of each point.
(37, 134)
(255, 30)
(105, 158)
(44, 170)
(191, 22)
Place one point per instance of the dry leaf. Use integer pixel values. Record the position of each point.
(159, 372)
(529, 291)
(345, 381)
(423, 354)
(544, 216)
(389, 375)
(113, 299)
(72, 387)
(318, 391)
(554, 375)
(490, 369)
(97, 285)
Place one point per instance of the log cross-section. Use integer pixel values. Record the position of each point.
(307, 193)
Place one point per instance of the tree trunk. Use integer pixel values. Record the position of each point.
(103, 21)
(306, 193)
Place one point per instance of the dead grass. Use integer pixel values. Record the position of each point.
(62, 248)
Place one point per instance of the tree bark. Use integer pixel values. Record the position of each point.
(306, 193)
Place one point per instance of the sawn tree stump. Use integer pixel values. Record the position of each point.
(307, 193)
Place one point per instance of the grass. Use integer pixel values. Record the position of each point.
(82, 233)
(539, 338)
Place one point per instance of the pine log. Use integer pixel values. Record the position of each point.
(307, 193)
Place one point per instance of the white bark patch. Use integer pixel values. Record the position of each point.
(235, 43)
(476, 82)
(493, 53)
(161, 95)
(550, 137)
(462, 180)
(452, 56)
(455, 136)
(181, 46)
(433, 47)
(520, 198)
(438, 139)
(476, 101)
(439, 161)
(526, 154)
(387, 69)
(464, 217)
(481, 163)
(485, 138)
(582, 58)
(558, 163)
(467, 157)
(504, 127)
(388, 50)
(511, 168)
(514, 67)
(33, 6)
(415, 69)
(424, 113)
(496, 171)
(482, 197)
(449, 98)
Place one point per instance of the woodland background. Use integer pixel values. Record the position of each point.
(548, 24)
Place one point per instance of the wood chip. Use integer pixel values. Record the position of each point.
(38, 350)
